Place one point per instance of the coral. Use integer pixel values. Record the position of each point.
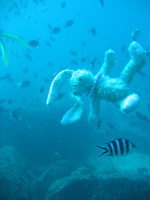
(82, 184)
(101, 86)
(94, 179)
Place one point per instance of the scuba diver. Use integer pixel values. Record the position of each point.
(4, 53)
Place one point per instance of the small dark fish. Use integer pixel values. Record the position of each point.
(6, 17)
(14, 7)
(7, 77)
(63, 4)
(69, 23)
(41, 1)
(37, 99)
(2, 101)
(16, 55)
(142, 117)
(48, 43)
(15, 114)
(17, 12)
(99, 62)
(35, 74)
(60, 96)
(123, 48)
(25, 70)
(49, 63)
(141, 73)
(74, 62)
(83, 59)
(117, 147)
(98, 125)
(28, 57)
(83, 44)
(102, 3)
(25, 84)
(10, 101)
(29, 50)
(148, 53)
(148, 107)
(55, 30)
(36, 1)
(34, 43)
(47, 80)
(143, 171)
(49, 26)
(73, 53)
(135, 34)
(12, 53)
(24, 3)
(93, 63)
(144, 128)
(52, 39)
(107, 134)
(42, 90)
(110, 125)
(93, 31)
(11, 7)
(2, 110)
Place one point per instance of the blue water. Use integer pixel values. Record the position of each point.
(36, 132)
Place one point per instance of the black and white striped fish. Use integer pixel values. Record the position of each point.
(118, 147)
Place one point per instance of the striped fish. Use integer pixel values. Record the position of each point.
(118, 147)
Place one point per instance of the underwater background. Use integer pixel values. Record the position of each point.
(40, 159)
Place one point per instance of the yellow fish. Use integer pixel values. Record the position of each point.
(15, 38)
(5, 57)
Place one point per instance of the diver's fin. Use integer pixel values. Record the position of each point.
(5, 57)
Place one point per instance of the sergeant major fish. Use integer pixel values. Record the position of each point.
(69, 23)
(118, 147)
